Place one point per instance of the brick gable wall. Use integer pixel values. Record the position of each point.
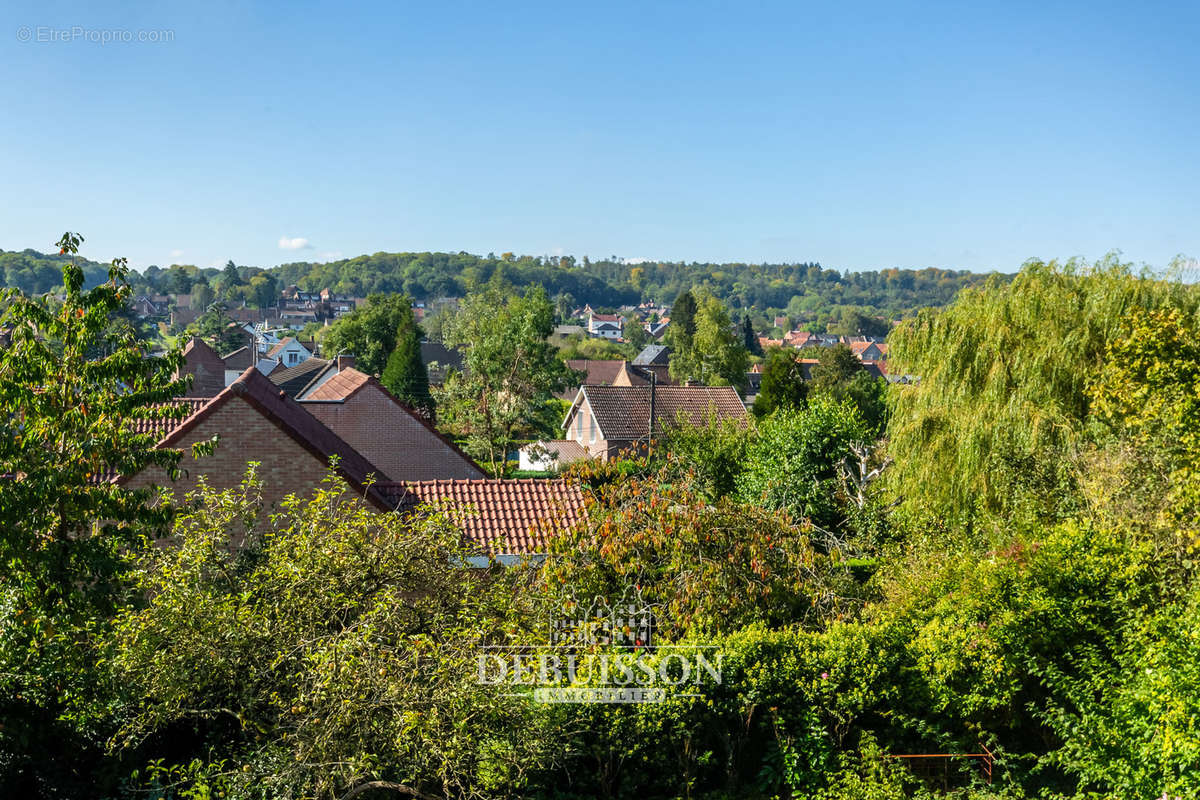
(388, 437)
(246, 435)
(208, 369)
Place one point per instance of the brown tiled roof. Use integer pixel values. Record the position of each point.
(623, 412)
(245, 314)
(305, 429)
(506, 516)
(239, 359)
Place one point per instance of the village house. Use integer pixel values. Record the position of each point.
(656, 359)
(384, 452)
(605, 326)
(289, 352)
(157, 305)
(388, 433)
(608, 420)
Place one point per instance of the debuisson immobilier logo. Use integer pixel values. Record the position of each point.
(601, 652)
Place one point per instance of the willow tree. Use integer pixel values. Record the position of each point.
(997, 412)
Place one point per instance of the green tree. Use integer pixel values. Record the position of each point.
(510, 371)
(218, 329)
(318, 651)
(1147, 398)
(683, 321)
(750, 338)
(857, 322)
(714, 356)
(405, 375)
(1003, 375)
(783, 384)
(264, 290)
(841, 375)
(202, 296)
(371, 333)
(69, 383)
(793, 463)
(635, 335)
(712, 455)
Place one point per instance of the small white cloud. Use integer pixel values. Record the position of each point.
(297, 243)
(332, 255)
(176, 254)
(637, 260)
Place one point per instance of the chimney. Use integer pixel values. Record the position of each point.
(344, 361)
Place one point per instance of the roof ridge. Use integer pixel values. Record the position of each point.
(307, 431)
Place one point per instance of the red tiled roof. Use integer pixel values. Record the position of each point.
(161, 427)
(623, 412)
(505, 516)
(858, 348)
(340, 386)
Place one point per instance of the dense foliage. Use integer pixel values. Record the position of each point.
(1003, 563)
(70, 379)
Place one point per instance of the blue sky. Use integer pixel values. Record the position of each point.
(863, 136)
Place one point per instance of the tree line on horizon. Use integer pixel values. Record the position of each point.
(805, 292)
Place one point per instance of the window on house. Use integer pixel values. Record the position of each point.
(592, 428)
(292, 357)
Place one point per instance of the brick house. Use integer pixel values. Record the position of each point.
(389, 434)
(206, 367)
(606, 420)
(385, 453)
(255, 422)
